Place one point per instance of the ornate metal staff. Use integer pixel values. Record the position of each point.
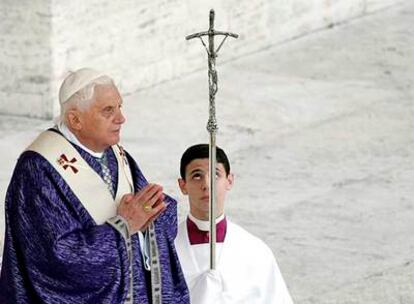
(212, 123)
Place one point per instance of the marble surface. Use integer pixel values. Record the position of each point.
(320, 136)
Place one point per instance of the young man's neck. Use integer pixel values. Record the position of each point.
(204, 221)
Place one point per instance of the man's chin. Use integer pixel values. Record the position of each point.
(115, 140)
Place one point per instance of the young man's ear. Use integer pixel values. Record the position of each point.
(182, 185)
(230, 180)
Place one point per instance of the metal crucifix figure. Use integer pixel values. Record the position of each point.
(212, 123)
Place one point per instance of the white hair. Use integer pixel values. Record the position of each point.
(85, 97)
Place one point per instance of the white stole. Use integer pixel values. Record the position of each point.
(85, 183)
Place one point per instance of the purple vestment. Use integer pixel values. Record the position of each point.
(55, 253)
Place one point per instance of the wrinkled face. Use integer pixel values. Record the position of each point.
(100, 125)
(196, 186)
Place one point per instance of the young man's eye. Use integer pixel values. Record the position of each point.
(196, 176)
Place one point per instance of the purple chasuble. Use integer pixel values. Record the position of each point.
(54, 252)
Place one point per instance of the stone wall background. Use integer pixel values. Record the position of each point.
(140, 43)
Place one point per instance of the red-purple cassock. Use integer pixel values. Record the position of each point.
(54, 252)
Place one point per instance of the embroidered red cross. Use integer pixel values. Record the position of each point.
(65, 163)
(123, 154)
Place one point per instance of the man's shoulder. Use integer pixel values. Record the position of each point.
(246, 238)
(28, 159)
(130, 160)
(32, 173)
(242, 232)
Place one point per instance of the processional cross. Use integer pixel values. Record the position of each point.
(212, 123)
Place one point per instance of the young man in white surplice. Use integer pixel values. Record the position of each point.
(246, 270)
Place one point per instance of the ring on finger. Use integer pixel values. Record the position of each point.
(147, 207)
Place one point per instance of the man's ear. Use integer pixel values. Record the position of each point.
(183, 186)
(230, 180)
(73, 120)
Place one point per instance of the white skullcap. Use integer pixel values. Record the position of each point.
(76, 81)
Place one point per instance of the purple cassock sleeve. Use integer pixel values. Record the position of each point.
(55, 253)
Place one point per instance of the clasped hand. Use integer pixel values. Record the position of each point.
(142, 208)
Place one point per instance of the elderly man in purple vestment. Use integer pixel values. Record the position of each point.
(82, 223)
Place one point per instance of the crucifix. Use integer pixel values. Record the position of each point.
(212, 122)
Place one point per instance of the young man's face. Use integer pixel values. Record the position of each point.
(196, 186)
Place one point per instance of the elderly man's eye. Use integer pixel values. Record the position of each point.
(108, 110)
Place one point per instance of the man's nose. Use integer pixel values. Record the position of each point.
(120, 118)
(206, 182)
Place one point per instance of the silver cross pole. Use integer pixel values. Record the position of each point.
(212, 123)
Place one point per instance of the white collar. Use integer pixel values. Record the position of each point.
(204, 225)
(72, 138)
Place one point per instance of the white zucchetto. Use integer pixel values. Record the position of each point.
(76, 81)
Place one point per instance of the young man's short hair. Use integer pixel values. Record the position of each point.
(202, 151)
